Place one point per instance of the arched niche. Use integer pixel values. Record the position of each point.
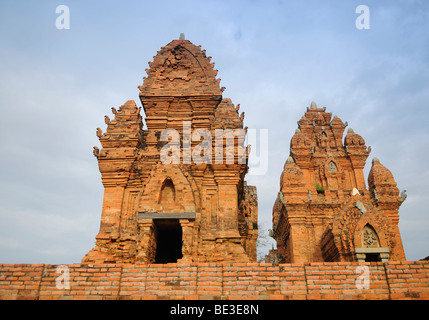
(332, 167)
(170, 189)
(369, 237)
(371, 249)
(333, 175)
(167, 194)
(323, 140)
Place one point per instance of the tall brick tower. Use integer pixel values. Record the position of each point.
(193, 204)
(324, 212)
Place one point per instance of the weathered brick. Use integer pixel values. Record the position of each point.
(180, 87)
(323, 183)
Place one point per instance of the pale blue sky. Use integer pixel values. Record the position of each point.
(274, 58)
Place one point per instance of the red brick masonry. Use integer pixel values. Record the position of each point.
(203, 281)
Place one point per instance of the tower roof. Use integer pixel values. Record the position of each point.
(353, 139)
(226, 115)
(380, 175)
(181, 69)
(292, 175)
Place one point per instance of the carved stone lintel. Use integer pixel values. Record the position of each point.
(164, 215)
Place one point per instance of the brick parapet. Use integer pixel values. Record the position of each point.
(209, 281)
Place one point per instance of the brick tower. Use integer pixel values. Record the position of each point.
(324, 212)
(175, 191)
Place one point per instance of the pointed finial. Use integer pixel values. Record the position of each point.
(313, 105)
(290, 160)
(403, 195)
(182, 36)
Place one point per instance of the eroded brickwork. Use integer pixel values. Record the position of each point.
(200, 204)
(324, 211)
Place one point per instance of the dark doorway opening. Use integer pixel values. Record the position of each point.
(372, 257)
(169, 241)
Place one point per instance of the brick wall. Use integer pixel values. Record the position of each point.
(205, 281)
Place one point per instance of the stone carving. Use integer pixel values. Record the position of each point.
(369, 238)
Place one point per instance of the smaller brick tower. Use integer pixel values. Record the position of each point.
(324, 212)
